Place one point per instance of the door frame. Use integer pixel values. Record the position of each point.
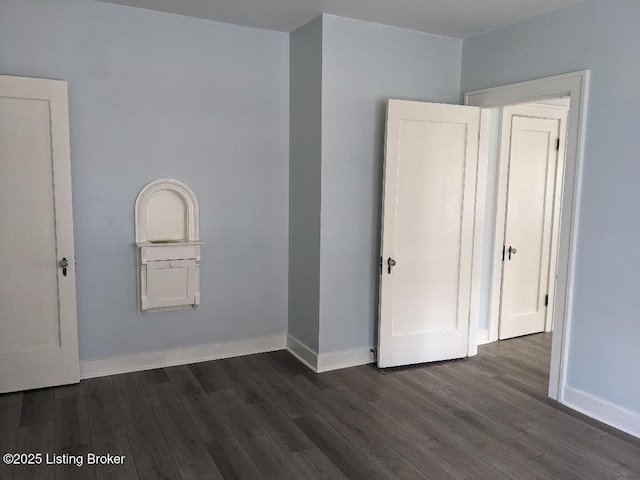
(495, 294)
(574, 85)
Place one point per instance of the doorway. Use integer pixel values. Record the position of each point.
(573, 86)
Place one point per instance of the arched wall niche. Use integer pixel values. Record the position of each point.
(168, 247)
(166, 211)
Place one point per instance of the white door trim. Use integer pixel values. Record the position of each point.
(575, 85)
(478, 232)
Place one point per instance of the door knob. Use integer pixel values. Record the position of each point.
(63, 264)
(390, 263)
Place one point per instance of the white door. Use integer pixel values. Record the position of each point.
(428, 219)
(534, 140)
(38, 331)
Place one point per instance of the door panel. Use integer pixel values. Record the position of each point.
(533, 163)
(38, 344)
(27, 227)
(429, 189)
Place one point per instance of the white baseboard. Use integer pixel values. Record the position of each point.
(180, 356)
(325, 362)
(602, 410)
(345, 358)
(483, 337)
(302, 353)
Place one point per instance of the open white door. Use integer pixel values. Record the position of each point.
(38, 331)
(427, 232)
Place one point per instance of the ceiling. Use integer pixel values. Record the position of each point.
(450, 18)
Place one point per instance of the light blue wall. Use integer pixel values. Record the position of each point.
(364, 64)
(604, 345)
(154, 95)
(305, 86)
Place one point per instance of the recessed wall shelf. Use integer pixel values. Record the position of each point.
(168, 247)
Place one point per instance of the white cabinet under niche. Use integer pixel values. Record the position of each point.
(168, 247)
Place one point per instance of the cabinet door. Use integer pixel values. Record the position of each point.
(171, 283)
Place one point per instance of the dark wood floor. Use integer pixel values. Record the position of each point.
(267, 416)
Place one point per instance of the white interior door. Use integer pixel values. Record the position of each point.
(533, 138)
(38, 331)
(429, 200)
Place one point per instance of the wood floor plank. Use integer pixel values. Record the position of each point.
(271, 459)
(241, 420)
(540, 369)
(239, 379)
(286, 365)
(431, 463)
(618, 462)
(535, 381)
(209, 377)
(453, 376)
(152, 377)
(37, 406)
(10, 418)
(516, 383)
(203, 413)
(502, 460)
(533, 343)
(622, 447)
(401, 469)
(209, 476)
(284, 395)
(343, 454)
(472, 466)
(410, 422)
(232, 460)
(72, 434)
(515, 445)
(365, 389)
(35, 439)
(108, 434)
(554, 469)
(148, 445)
(528, 353)
(570, 427)
(491, 386)
(188, 449)
(454, 422)
(279, 425)
(469, 403)
(373, 447)
(315, 465)
(323, 380)
(569, 456)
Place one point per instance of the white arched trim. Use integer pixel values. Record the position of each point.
(191, 213)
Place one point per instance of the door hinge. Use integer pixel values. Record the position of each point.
(558, 144)
(546, 300)
(380, 272)
(504, 247)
